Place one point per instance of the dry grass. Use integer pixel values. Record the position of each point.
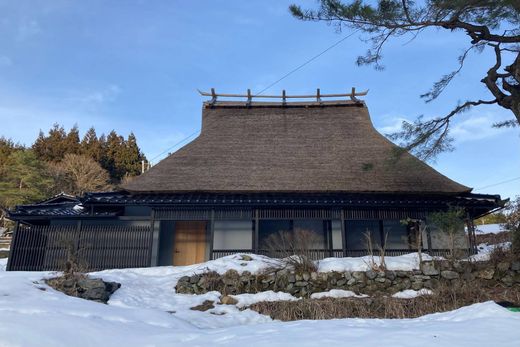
(295, 248)
(500, 254)
(445, 298)
(67, 283)
(493, 239)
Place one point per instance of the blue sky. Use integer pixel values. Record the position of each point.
(136, 65)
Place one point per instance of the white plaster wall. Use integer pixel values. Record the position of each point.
(442, 240)
(337, 240)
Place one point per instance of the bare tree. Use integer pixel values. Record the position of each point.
(513, 224)
(369, 244)
(417, 228)
(77, 174)
(489, 24)
(294, 247)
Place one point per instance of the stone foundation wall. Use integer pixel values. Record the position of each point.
(361, 282)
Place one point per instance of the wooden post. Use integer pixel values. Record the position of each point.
(327, 224)
(472, 238)
(257, 226)
(155, 239)
(12, 246)
(318, 96)
(353, 95)
(211, 233)
(249, 97)
(381, 233)
(343, 233)
(78, 236)
(429, 240)
(213, 96)
(284, 99)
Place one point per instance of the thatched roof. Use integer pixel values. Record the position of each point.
(299, 147)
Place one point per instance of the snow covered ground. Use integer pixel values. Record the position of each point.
(146, 311)
(410, 293)
(3, 264)
(405, 262)
(490, 228)
(484, 250)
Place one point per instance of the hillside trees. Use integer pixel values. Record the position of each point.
(62, 161)
(120, 157)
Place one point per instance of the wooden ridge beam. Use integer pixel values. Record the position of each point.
(318, 96)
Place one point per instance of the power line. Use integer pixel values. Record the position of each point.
(174, 145)
(307, 62)
(268, 87)
(499, 183)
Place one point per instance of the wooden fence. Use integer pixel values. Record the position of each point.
(37, 248)
(318, 254)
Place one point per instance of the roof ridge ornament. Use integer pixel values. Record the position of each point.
(353, 96)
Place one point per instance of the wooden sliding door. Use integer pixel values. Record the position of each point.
(189, 245)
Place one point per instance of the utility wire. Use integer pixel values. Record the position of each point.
(499, 183)
(174, 145)
(269, 86)
(307, 62)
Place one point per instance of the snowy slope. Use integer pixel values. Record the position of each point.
(490, 228)
(32, 314)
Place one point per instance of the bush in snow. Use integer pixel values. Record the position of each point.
(295, 248)
(451, 225)
(513, 224)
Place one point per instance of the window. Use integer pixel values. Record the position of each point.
(315, 226)
(356, 231)
(337, 240)
(230, 234)
(269, 227)
(397, 234)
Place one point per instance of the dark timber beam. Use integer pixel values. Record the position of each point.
(211, 233)
(429, 240)
(155, 240)
(256, 230)
(13, 245)
(343, 234)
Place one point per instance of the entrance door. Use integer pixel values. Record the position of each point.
(189, 245)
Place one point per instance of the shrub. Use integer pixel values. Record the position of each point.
(295, 248)
(370, 249)
(451, 224)
(513, 224)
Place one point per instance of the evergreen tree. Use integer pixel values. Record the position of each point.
(72, 141)
(131, 157)
(52, 147)
(91, 146)
(113, 156)
(23, 179)
(7, 146)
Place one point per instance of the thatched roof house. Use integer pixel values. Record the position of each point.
(255, 169)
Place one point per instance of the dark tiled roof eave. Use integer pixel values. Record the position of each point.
(281, 199)
(253, 200)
